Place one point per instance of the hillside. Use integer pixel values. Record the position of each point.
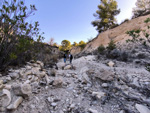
(117, 34)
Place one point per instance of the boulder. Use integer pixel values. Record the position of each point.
(14, 75)
(6, 98)
(35, 70)
(22, 90)
(142, 108)
(41, 74)
(105, 75)
(68, 67)
(14, 105)
(58, 82)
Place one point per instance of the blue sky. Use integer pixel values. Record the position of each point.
(71, 19)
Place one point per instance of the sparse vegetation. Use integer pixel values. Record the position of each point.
(111, 45)
(136, 38)
(101, 49)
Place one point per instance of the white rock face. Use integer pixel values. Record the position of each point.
(142, 108)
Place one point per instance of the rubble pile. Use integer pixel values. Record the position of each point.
(86, 86)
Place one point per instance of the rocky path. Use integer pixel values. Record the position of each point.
(88, 86)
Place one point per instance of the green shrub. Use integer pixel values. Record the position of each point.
(13, 56)
(101, 49)
(111, 45)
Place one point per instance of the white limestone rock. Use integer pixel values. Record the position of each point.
(6, 98)
(14, 105)
(104, 85)
(8, 87)
(58, 82)
(67, 67)
(22, 90)
(105, 75)
(98, 95)
(14, 75)
(111, 64)
(93, 111)
(142, 108)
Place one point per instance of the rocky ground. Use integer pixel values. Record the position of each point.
(87, 86)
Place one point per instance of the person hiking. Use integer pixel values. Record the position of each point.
(65, 58)
(70, 58)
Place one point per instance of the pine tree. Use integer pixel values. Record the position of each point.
(106, 13)
(142, 7)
